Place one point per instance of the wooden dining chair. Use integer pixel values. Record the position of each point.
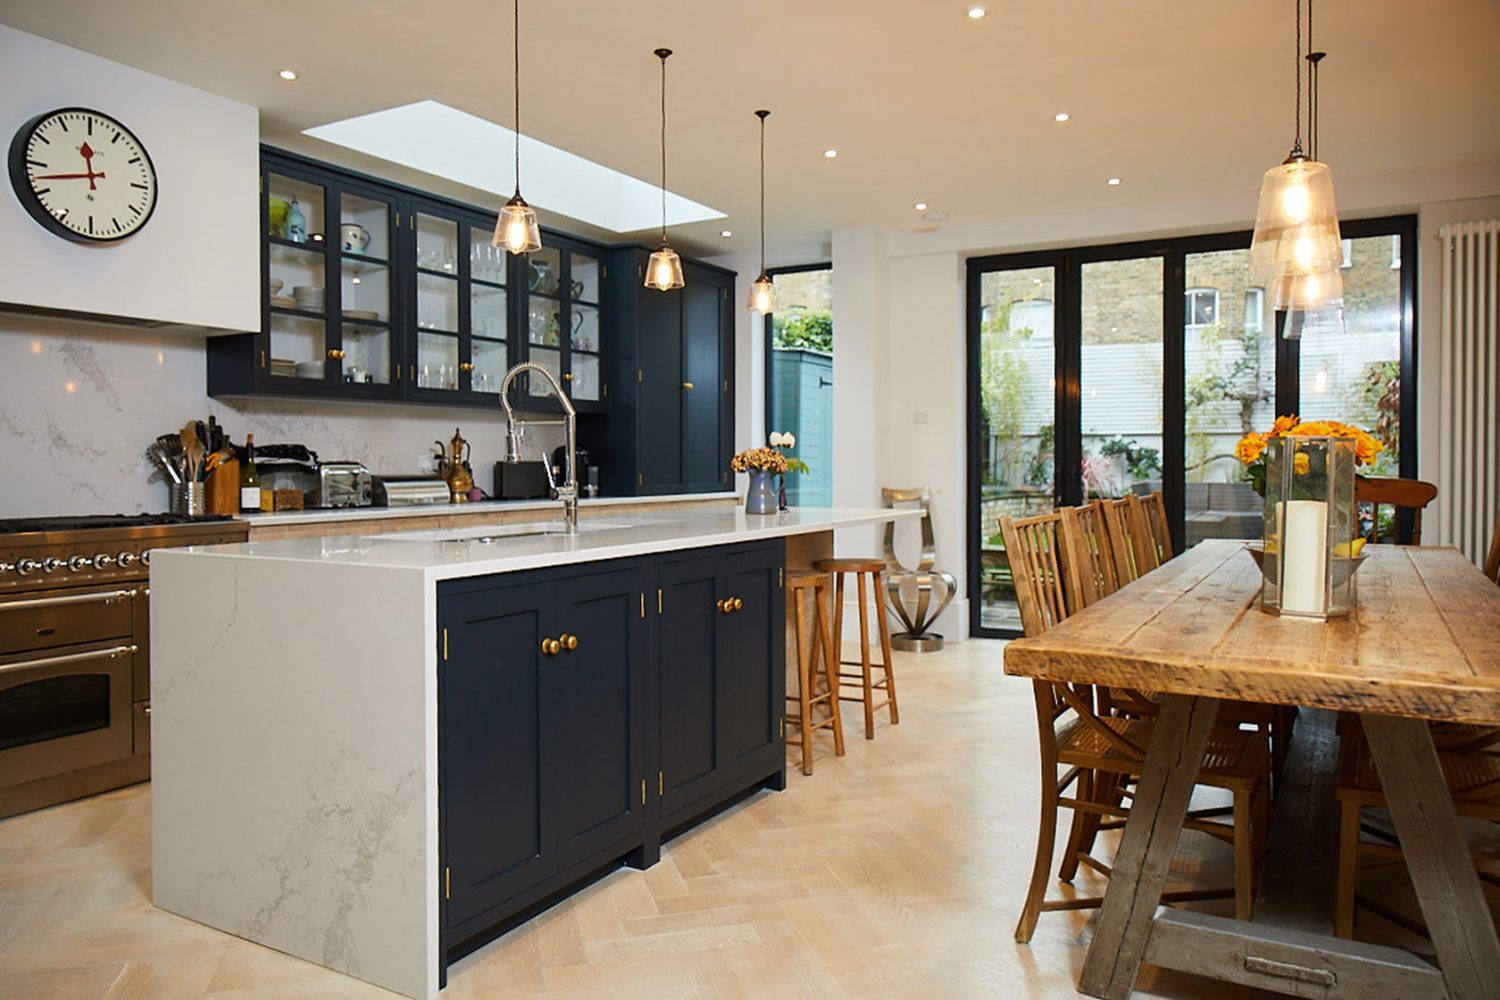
(1097, 749)
(1121, 526)
(1492, 561)
(1398, 494)
(1093, 556)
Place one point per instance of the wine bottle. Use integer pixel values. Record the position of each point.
(249, 479)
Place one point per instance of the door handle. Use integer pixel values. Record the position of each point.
(687, 385)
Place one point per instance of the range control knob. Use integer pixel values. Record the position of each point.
(78, 564)
(146, 558)
(6, 567)
(27, 566)
(52, 564)
(125, 559)
(102, 561)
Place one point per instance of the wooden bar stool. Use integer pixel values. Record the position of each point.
(811, 650)
(874, 569)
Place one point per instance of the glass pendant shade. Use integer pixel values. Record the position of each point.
(516, 229)
(1297, 223)
(664, 270)
(762, 295)
(1308, 292)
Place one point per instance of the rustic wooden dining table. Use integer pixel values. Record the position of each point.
(1421, 645)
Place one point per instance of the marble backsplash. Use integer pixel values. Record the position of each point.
(79, 402)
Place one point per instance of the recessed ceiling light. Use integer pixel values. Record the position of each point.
(1061, 116)
(976, 12)
(921, 206)
(726, 233)
(1113, 182)
(287, 74)
(830, 153)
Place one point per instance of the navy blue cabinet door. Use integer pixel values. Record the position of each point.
(690, 700)
(494, 748)
(598, 692)
(752, 661)
(659, 391)
(703, 305)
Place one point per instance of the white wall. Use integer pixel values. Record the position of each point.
(82, 401)
(196, 262)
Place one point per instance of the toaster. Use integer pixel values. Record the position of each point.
(342, 484)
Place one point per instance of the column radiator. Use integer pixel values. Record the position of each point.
(1469, 381)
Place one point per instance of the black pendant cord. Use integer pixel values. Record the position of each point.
(517, 34)
(1297, 104)
(1313, 59)
(662, 55)
(762, 116)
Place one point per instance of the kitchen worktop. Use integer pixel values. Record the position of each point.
(448, 553)
(476, 509)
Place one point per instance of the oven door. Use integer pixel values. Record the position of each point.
(64, 710)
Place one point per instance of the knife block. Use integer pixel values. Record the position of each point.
(223, 493)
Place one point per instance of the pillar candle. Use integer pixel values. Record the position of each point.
(1304, 557)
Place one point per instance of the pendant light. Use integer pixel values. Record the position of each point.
(664, 270)
(763, 292)
(516, 228)
(1297, 240)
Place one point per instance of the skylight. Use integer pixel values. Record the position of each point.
(436, 139)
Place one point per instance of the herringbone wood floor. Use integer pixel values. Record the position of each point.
(896, 871)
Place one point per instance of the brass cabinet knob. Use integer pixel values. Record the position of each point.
(551, 647)
(687, 385)
(568, 377)
(737, 603)
(336, 354)
(725, 605)
(569, 642)
(467, 366)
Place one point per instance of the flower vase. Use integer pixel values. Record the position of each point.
(760, 498)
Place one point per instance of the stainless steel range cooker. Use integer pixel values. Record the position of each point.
(75, 688)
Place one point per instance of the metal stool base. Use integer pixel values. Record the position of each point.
(928, 642)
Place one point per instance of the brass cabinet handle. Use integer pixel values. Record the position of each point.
(551, 647)
(569, 642)
(725, 605)
(467, 366)
(336, 354)
(687, 385)
(737, 603)
(568, 377)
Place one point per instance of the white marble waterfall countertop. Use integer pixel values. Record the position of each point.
(447, 553)
(334, 515)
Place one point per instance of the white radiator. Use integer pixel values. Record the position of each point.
(1469, 381)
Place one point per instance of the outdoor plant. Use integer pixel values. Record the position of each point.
(809, 330)
(1141, 462)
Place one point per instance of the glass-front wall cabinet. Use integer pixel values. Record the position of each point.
(329, 294)
(564, 333)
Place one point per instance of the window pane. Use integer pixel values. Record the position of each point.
(800, 382)
(1121, 380)
(1354, 374)
(1231, 390)
(1016, 365)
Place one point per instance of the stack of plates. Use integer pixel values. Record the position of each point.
(283, 302)
(357, 314)
(309, 369)
(282, 368)
(308, 297)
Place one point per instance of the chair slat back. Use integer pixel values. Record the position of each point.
(1492, 561)
(1156, 517)
(1399, 494)
(1116, 520)
(1088, 562)
(1033, 546)
(1142, 539)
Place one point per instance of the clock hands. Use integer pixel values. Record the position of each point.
(88, 161)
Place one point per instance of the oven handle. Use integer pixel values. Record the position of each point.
(57, 602)
(52, 661)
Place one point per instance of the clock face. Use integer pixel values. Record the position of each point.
(83, 175)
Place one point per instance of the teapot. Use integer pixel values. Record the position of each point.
(354, 237)
(453, 467)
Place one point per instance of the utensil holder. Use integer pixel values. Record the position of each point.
(187, 498)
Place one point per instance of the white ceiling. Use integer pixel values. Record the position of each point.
(1180, 99)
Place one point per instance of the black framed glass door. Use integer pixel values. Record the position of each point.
(1100, 371)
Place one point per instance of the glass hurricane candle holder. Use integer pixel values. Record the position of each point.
(1310, 522)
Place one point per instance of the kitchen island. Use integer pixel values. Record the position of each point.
(378, 752)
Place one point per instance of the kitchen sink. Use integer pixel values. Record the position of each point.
(494, 534)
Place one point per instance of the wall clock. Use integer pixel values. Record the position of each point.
(82, 175)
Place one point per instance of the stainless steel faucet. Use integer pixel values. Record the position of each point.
(567, 490)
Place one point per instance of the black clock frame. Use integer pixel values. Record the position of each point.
(21, 184)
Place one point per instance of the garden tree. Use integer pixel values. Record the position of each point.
(804, 330)
(1379, 409)
(1240, 382)
(1004, 388)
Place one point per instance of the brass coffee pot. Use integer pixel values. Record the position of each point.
(454, 468)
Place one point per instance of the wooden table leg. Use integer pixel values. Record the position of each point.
(1168, 774)
(1453, 904)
